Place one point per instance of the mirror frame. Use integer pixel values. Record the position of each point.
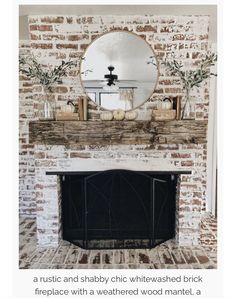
(154, 55)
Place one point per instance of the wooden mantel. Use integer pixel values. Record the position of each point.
(117, 132)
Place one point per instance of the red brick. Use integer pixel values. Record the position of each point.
(32, 20)
(60, 89)
(83, 46)
(73, 37)
(168, 147)
(173, 90)
(24, 78)
(192, 186)
(166, 29)
(178, 37)
(202, 259)
(27, 84)
(180, 155)
(119, 28)
(52, 20)
(85, 20)
(67, 46)
(187, 163)
(146, 28)
(196, 55)
(45, 163)
(25, 90)
(190, 37)
(203, 37)
(94, 36)
(160, 46)
(75, 54)
(41, 28)
(58, 55)
(196, 202)
(80, 155)
(53, 37)
(42, 46)
(159, 90)
(35, 37)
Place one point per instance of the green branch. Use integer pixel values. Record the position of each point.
(30, 67)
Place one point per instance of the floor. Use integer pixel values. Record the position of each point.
(165, 256)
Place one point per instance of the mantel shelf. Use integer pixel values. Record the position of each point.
(117, 132)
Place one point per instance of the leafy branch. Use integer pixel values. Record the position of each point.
(30, 67)
(191, 78)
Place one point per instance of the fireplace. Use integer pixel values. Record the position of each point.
(65, 148)
(118, 208)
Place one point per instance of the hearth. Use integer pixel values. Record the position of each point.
(118, 208)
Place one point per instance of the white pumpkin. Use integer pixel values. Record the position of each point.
(68, 108)
(131, 115)
(167, 104)
(119, 114)
(106, 116)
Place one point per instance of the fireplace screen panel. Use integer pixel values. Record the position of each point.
(118, 209)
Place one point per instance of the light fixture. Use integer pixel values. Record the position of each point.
(111, 78)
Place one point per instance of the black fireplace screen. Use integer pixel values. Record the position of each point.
(118, 208)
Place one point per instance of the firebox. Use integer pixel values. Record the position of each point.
(118, 208)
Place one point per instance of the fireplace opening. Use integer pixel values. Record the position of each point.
(118, 208)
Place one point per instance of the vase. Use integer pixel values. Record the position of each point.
(47, 106)
(188, 108)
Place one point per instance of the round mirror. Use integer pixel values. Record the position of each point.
(118, 71)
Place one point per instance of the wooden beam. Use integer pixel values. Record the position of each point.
(117, 132)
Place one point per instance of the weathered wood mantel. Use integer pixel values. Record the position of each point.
(117, 132)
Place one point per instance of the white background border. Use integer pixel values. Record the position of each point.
(9, 273)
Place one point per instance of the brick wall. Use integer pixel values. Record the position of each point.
(182, 38)
(191, 190)
(53, 38)
(27, 205)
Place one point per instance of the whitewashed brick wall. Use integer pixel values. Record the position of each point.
(27, 205)
(53, 38)
(184, 38)
(91, 158)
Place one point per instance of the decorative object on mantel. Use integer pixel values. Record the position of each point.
(30, 67)
(166, 104)
(106, 115)
(69, 107)
(119, 114)
(164, 114)
(167, 109)
(131, 115)
(83, 108)
(192, 78)
(67, 112)
(66, 116)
